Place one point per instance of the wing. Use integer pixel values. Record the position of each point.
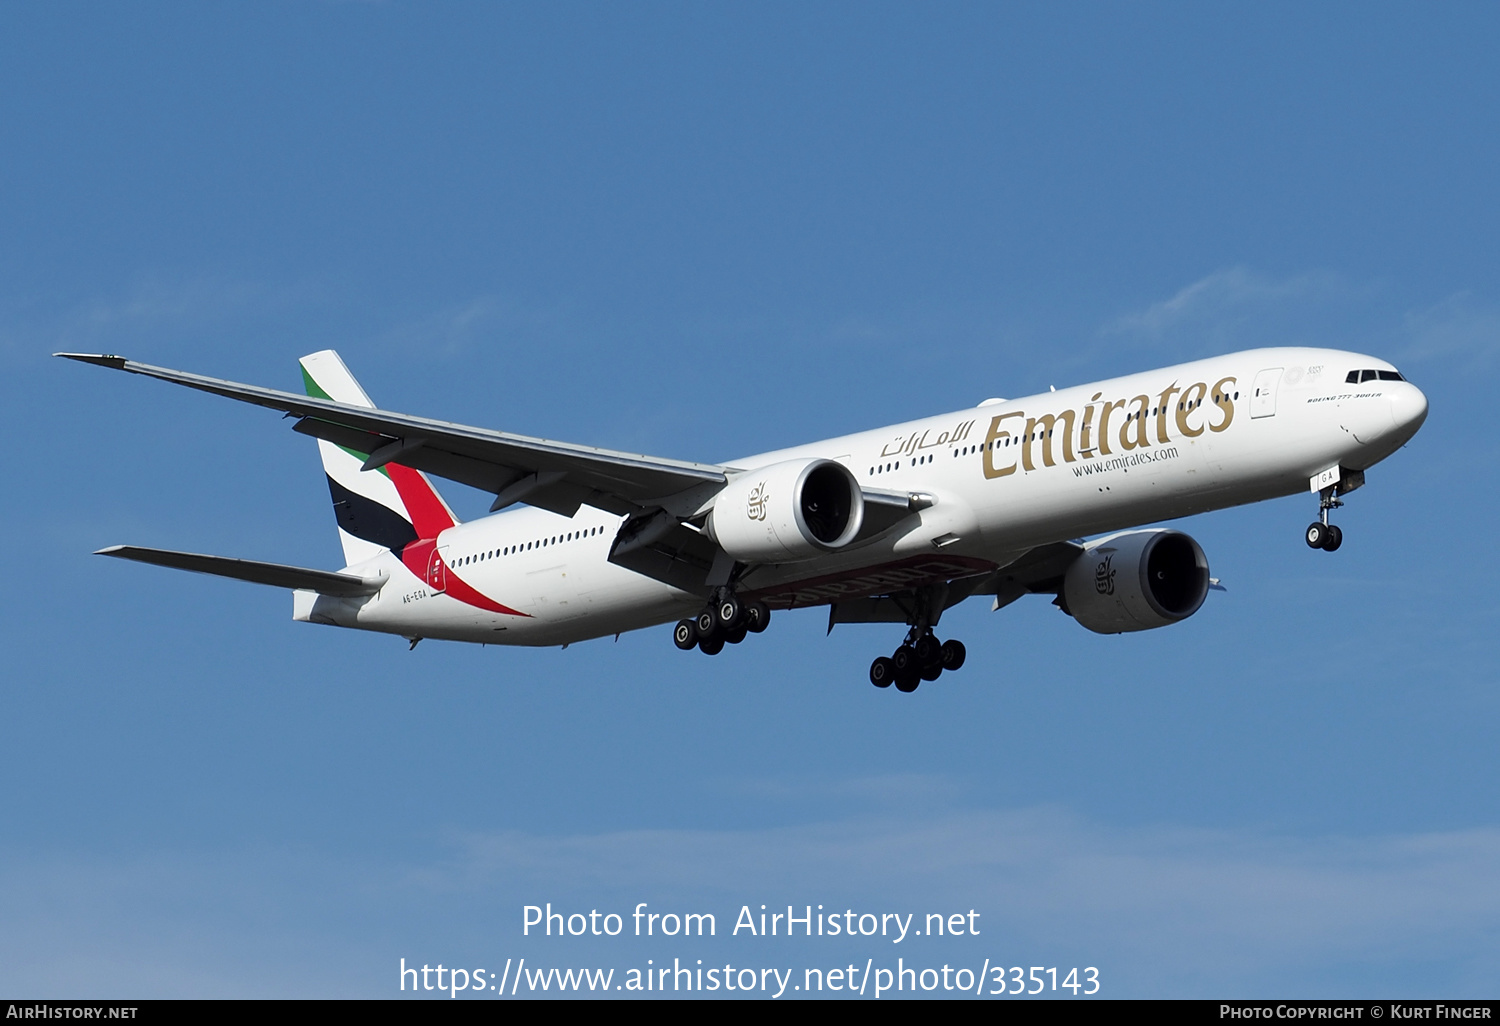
(277, 575)
(655, 495)
(557, 476)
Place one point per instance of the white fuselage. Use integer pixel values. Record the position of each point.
(1004, 476)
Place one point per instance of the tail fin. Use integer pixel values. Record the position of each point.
(386, 508)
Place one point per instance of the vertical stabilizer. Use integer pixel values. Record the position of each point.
(386, 508)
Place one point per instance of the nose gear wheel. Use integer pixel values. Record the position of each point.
(1320, 533)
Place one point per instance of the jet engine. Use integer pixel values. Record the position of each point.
(787, 511)
(1136, 581)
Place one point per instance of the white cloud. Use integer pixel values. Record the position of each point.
(1238, 306)
(157, 312)
(1222, 288)
(1459, 325)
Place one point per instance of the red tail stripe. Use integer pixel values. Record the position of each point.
(428, 514)
(462, 591)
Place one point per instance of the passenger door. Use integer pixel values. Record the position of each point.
(1263, 394)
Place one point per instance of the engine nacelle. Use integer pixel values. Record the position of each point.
(788, 512)
(1136, 581)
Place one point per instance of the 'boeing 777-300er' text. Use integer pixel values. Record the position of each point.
(893, 525)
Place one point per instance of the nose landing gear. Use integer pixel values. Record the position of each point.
(1320, 533)
(1323, 536)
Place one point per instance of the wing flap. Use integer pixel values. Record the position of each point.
(277, 575)
(1039, 570)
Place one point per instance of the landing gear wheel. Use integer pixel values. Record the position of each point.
(685, 635)
(932, 672)
(711, 646)
(728, 610)
(735, 635)
(757, 617)
(1317, 535)
(882, 672)
(905, 661)
(707, 624)
(1334, 540)
(928, 649)
(954, 654)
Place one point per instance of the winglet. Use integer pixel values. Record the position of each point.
(97, 359)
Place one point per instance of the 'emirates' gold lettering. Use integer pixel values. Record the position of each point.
(1055, 432)
(1104, 424)
(1223, 402)
(995, 434)
(1048, 423)
(1191, 397)
(1136, 422)
(1165, 400)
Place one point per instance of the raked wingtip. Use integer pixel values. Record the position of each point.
(98, 359)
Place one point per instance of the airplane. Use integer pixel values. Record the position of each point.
(894, 525)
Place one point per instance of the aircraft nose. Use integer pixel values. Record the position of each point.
(1408, 408)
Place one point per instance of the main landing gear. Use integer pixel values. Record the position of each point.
(921, 657)
(1320, 533)
(726, 620)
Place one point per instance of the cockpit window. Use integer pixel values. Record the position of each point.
(1357, 376)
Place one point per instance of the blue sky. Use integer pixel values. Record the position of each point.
(704, 231)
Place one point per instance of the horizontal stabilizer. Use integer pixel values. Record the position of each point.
(325, 582)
